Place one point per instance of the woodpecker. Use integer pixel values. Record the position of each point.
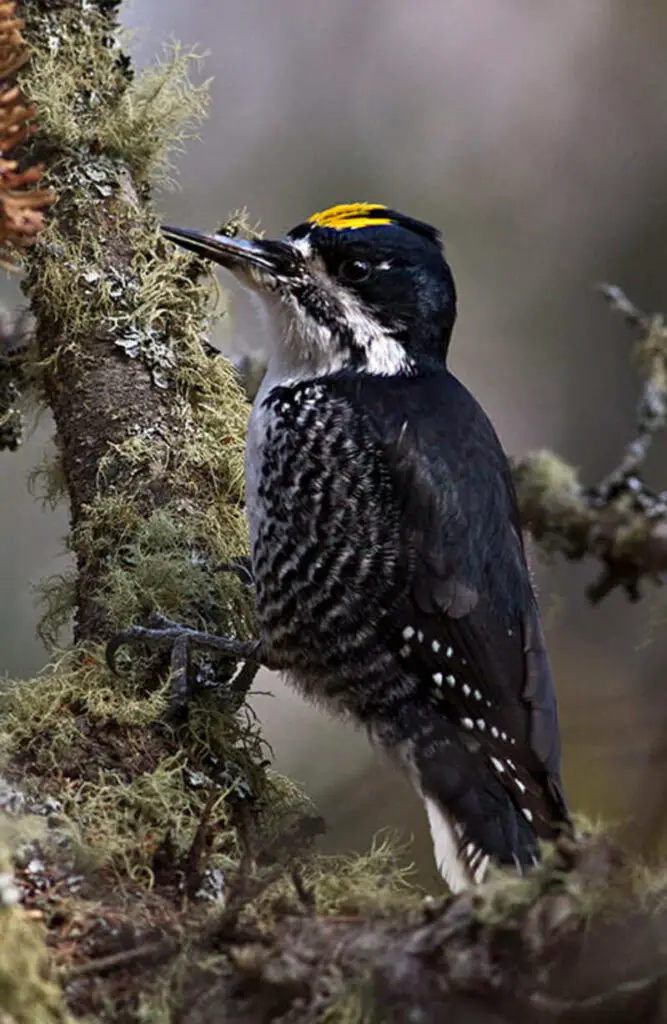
(386, 548)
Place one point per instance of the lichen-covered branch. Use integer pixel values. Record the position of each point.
(620, 521)
(149, 430)
(515, 951)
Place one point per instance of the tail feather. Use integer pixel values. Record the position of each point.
(473, 818)
(460, 863)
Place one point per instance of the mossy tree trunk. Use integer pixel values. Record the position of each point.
(146, 424)
(149, 432)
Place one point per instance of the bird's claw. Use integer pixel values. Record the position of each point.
(163, 632)
(241, 567)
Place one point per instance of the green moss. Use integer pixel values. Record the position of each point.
(27, 993)
(167, 562)
(352, 1006)
(376, 883)
(123, 824)
(156, 115)
(57, 599)
(543, 475)
(78, 682)
(574, 895)
(127, 782)
(136, 120)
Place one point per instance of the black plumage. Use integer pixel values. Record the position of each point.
(388, 559)
(392, 583)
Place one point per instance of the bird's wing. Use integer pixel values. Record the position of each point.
(469, 628)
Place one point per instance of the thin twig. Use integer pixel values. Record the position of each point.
(200, 849)
(305, 893)
(620, 303)
(620, 520)
(151, 950)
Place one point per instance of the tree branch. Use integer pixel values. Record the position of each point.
(620, 521)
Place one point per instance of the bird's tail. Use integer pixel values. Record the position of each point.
(461, 864)
(473, 819)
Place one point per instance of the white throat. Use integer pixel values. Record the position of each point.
(299, 347)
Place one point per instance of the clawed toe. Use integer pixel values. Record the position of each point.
(164, 633)
(241, 567)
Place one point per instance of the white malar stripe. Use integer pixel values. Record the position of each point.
(385, 355)
(446, 848)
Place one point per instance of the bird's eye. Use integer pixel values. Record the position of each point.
(354, 270)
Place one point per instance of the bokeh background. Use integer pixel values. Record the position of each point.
(535, 136)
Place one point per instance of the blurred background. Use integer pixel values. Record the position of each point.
(535, 136)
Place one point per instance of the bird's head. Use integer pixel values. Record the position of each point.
(358, 286)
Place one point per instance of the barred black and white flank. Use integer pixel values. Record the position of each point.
(389, 566)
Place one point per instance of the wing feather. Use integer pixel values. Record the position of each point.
(469, 628)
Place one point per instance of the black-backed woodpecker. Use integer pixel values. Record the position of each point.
(387, 554)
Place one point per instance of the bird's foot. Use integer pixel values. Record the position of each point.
(163, 633)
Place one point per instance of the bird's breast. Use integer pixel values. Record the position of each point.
(324, 533)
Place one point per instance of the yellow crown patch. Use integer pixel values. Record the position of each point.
(351, 215)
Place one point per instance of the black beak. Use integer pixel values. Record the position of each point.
(237, 253)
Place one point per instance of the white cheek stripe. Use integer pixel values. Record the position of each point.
(384, 354)
(311, 346)
(304, 347)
